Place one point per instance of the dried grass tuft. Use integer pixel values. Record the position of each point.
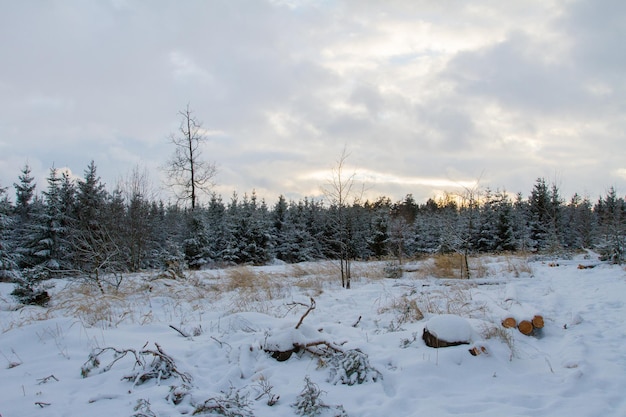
(518, 266)
(254, 289)
(493, 331)
(405, 308)
(447, 265)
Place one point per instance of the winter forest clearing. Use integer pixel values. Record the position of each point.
(210, 342)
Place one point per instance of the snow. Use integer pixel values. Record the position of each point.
(450, 328)
(575, 366)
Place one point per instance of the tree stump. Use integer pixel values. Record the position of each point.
(433, 341)
(447, 330)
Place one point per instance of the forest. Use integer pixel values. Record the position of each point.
(79, 228)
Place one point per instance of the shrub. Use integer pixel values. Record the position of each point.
(351, 367)
(393, 270)
(229, 404)
(309, 404)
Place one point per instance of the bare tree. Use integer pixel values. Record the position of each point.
(460, 228)
(137, 234)
(187, 173)
(340, 188)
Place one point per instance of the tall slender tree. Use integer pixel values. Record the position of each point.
(188, 173)
(341, 188)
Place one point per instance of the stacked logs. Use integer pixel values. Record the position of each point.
(527, 327)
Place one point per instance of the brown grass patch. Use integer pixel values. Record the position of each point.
(518, 266)
(254, 288)
(493, 331)
(444, 266)
(406, 309)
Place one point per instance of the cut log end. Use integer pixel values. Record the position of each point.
(538, 322)
(525, 327)
(509, 322)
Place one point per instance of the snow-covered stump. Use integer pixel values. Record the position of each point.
(447, 330)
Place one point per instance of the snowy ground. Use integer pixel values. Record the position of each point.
(576, 366)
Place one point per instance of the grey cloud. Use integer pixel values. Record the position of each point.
(515, 73)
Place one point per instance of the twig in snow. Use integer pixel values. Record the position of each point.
(184, 334)
(48, 378)
(311, 308)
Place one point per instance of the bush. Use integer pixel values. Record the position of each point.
(29, 294)
(309, 403)
(393, 270)
(229, 404)
(350, 368)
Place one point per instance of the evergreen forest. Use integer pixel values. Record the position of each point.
(79, 228)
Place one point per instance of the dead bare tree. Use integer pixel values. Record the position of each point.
(187, 172)
(340, 188)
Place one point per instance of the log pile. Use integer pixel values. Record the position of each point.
(527, 327)
(523, 317)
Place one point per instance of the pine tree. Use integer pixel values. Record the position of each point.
(96, 248)
(505, 233)
(196, 243)
(486, 236)
(24, 192)
(578, 224)
(8, 264)
(48, 231)
(520, 223)
(215, 229)
(24, 223)
(139, 241)
(611, 213)
(540, 221)
(379, 239)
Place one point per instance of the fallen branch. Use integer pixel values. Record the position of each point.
(311, 308)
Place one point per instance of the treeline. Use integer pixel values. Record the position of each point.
(78, 228)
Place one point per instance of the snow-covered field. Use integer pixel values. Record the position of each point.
(575, 366)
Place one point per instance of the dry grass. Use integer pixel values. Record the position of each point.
(133, 301)
(254, 289)
(518, 266)
(444, 266)
(494, 331)
(405, 308)
(314, 277)
(455, 299)
(479, 268)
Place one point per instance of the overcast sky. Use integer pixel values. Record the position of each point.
(425, 95)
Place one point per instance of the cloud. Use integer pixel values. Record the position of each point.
(416, 90)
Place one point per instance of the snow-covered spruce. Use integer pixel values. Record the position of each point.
(350, 368)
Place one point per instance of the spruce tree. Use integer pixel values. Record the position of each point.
(8, 265)
(611, 213)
